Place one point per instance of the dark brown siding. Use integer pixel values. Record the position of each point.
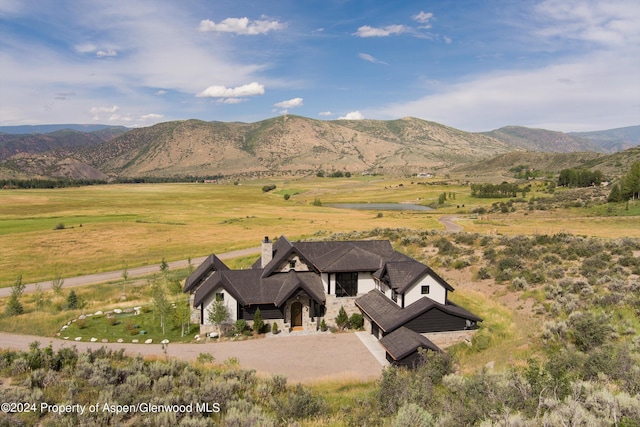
(435, 320)
(268, 311)
(411, 361)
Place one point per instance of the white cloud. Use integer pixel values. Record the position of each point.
(291, 103)
(160, 92)
(611, 23)
(152, 116)
(593, 92)
(423, 18)
(232, 100)
(250, 89)
(96, 110)
(370, 58)
(242, 26)
(354, 115)
(367, 31)
(108, 52)
(325, 113)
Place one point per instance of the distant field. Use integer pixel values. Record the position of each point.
(106, 227)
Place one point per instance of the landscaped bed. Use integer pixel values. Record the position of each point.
(125, 326)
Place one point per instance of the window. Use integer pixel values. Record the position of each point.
(424, 290)
(219, 296)
(394, 296)
(292, 264)
(346, 284)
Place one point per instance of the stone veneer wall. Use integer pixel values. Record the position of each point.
(333, 305)
(447, 339)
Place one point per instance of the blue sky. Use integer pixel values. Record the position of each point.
(564, 65)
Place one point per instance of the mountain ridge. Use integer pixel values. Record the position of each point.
(279, 145)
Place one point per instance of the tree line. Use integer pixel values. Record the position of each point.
(505, 189)
(579, 177)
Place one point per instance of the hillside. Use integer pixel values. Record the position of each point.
(57, 141)
(613, 140)
(290, 144)
(498, 168)
(543, 140)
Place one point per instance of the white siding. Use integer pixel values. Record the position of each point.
(325, 282)
(437, 292)
(366, 283)
(229, 301)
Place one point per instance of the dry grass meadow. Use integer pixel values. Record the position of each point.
(109, 226)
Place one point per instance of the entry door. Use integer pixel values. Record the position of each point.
(296, 314)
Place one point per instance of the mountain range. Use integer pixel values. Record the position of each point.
(279, 146)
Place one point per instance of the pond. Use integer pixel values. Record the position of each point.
(381, 206)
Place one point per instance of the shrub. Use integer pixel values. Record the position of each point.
(274, 328)
(317, 202)
(300, 403)
(268, 188)
(589, 330)
(413, 415)
(287, 196)
(241, 326)
(483, 273)
(323, 325)
(356, 321)
(59, 226)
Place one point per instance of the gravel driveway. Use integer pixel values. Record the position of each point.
(303, 358)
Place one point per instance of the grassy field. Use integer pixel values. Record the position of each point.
(106, 227)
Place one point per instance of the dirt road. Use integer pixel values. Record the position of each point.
(72, 282)
(448, 223)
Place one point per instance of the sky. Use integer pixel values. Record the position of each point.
(564, 65)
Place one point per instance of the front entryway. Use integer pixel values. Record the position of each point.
(296, 315)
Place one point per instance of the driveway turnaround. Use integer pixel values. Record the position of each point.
(304, 358)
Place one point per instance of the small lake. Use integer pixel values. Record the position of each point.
(381, 206)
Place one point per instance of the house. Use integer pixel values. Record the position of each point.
(297, 284)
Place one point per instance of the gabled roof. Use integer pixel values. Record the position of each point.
(379, 308)
(249, 288)
(402, 275)
(330, 257)
(310, 283)
(403, 341)
(389, 317)
(211, 263)
(281, 255)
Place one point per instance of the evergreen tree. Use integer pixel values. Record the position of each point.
(258, 323)
(72, 300)
(14, 306)
(342, 320)
(631, 182)
(616, 194)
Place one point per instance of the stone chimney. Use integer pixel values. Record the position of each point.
(267, 251)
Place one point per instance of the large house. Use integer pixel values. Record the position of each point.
(297, 284)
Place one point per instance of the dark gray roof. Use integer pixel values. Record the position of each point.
(250, 288)
(281, 255)
(330, 257)
(403, 341)
(388, 316)
(211, 263)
